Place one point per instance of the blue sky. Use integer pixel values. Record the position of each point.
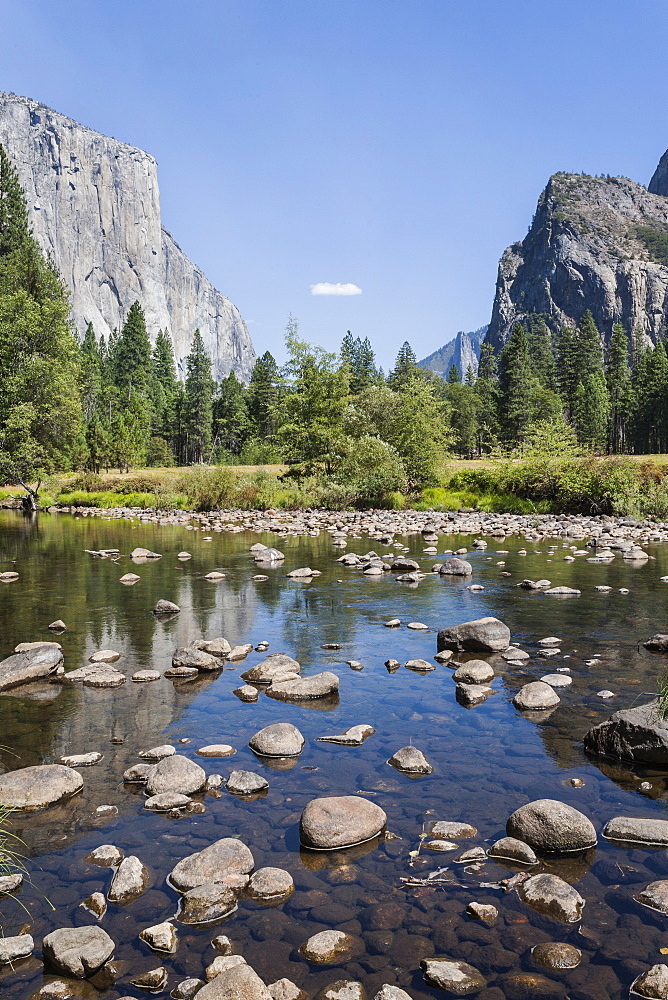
(396, 145)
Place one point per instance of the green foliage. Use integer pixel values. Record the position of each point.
(655, 241)
(198, 410)
(372, 470)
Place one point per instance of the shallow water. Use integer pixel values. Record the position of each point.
(487, 760)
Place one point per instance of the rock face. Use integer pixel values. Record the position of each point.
(633, 734)
(463, 351)
(588, 248)
(94, 204)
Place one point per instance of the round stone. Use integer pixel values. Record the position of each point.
(556, 955)
(332, 822)
(281, 739)
(552, 826)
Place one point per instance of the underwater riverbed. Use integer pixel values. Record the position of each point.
(487, 760)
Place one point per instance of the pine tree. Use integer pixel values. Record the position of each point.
(15, 229)
(132, 352)
(454, 377)
(404, 367)
(469, 378)
(618, 378)
(515, 386)
(358, 357)
(40, 417)
(164, 388)
(487, 389)
(568, 373)
(541, 353)
(231, 421)
(591, 411)
(199, 390)
(263, 396)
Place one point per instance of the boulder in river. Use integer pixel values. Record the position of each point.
(42, 785)
(30, 665)
(456, 977)
(281, 739)
(537, 695)
(652, 985)
(191, 656)
(206, 903)
(332, 822)
(13, 948)
(267, 884)
(129, 882)
(164, 607)
(275, 666)
(353, 737)
(511, 849)
(78, 951)
(411, 760)
(556, 955)
(658, 643)
(329, 948)
(305, 688)
(483, 635)
(176, 774)
(552, 826)
(214, 863)
(239, 983)
(654, 896)
(455, 567)
(473, 672)
(638, 734)
(246, 783)
(633, 830)
(551, 896)
(160, 937)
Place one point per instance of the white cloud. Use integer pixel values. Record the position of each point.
(335, 288)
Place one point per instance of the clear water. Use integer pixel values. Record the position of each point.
(487, 760)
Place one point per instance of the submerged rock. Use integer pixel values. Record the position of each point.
(270, 883)
(328, 948)
(339, 821)
(652, 984)
(448, 974)
(552, 826)
(448, 828)
(511, 849)
(353, 737)
(556, 955)
(655, 896)
(554, 898)
(206, 903)
(246, 783)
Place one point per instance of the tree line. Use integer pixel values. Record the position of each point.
(96, 404)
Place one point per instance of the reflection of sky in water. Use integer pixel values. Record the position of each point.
(487, 760)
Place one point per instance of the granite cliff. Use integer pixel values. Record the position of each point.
(462, 351)
(95, 207)
(598, 243)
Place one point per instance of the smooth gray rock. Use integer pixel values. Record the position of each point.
(176, 774)
(655, 896)
(388, 992)
(511, 849)
(78, 951)
(206, 903)
(160, 937)
(274, 666)
(166, 801)
(164, 607)
(190, 656)
(473, 672)
(328, 948)
(239, 983)
(353, 737)
(483, 635)
(630, 829)
(305, 688)
(285, 989)
(187, 989)
(42, 785)
(246, 783)
(281, 739)
(554, 898)
(412, 760)
(13, 948)
(105, 856)
(448, 829)
(332, 822)
(456, 977)
(214, 863)
(536, 696)
(556, 955)
(129, 882)
(31, 665)
(470, 695)
(456, 567)
(404, 565)
(637, 734)
(552, 826)
(270, 883)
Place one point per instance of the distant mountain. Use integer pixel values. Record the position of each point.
(463, 351)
